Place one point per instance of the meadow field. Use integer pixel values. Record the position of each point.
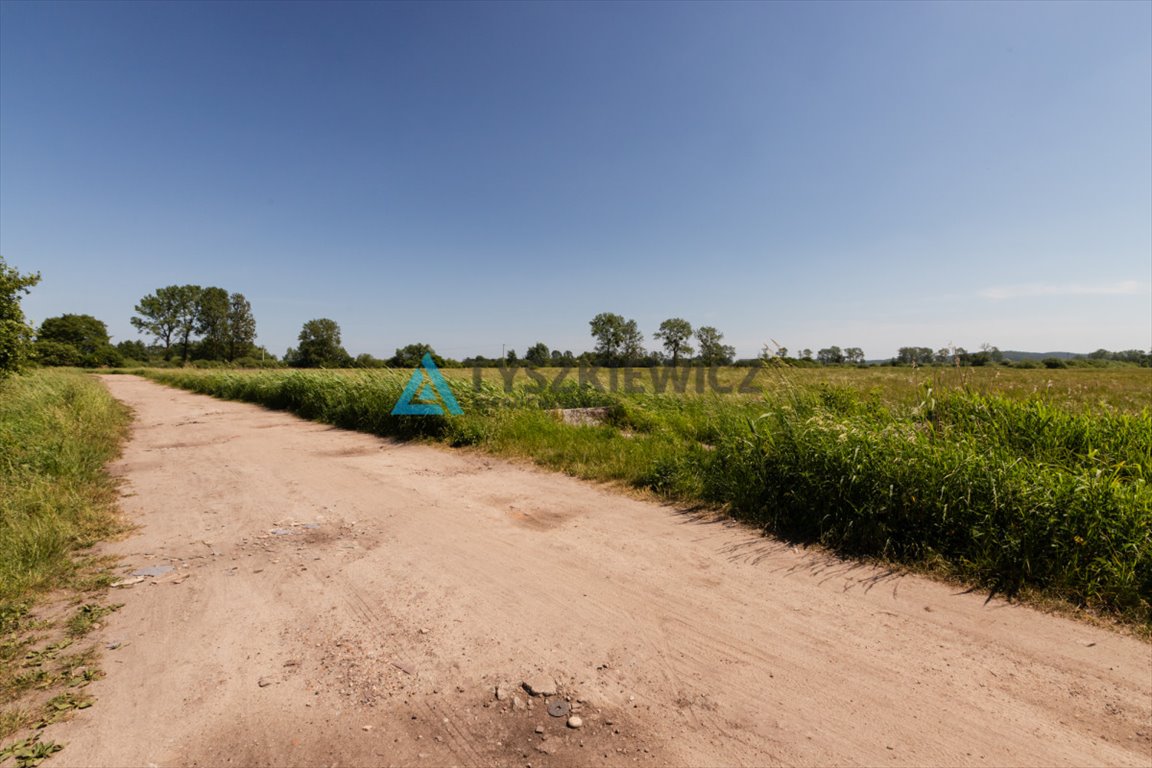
(1017, 481)
(1127, 389)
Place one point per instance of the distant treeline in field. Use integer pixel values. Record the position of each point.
(188, 323)
(209, 327)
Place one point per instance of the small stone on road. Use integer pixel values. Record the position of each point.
(540, 686)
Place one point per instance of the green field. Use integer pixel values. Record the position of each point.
(1127, 389)
(1015, 481)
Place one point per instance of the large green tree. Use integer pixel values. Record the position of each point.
(713, 350)
(241, 327)
(617, 340)
(675, 332)
(84, 332)
(15, 333)
(226, 325)
(171, 315)
(320, 346)
(176, 314)
(75, 340)
(212, 323)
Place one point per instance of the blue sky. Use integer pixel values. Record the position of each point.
(480, 174)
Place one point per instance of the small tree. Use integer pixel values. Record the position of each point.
(538, 354)
(712, 349)
(320, 346)
(133, 349)
(366, 360)
(675, 332)
(617, 340)
(854, 355)
(607, 329)
(633, 347)
(410, 355)
(157, 316)
(830, 356)
(15, 333)
(241, 327)
(994, 354)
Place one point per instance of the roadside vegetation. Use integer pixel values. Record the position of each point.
(1014, 472)
(1019, 485)
(58, 429)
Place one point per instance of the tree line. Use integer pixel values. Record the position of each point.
(202, 323)
(832, 355)
(619, 342)
(212, 326)
(193, 322)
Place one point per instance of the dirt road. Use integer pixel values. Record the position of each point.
(337, 599)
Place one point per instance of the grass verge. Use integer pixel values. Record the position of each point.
(58, 430)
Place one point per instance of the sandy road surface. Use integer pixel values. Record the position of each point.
(337, 599)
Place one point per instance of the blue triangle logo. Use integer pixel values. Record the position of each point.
(426, 386)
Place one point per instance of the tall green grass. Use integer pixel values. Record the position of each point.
(57, 430)
(363, 400)
(1006, 494)
(1019, 490)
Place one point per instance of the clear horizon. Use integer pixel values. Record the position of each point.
(486, 176)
